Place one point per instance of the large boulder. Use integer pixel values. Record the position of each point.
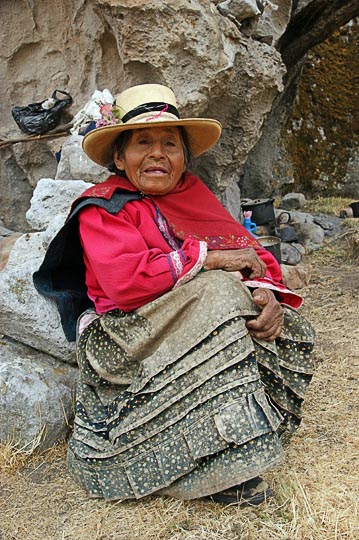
(53, 198)
(25, 315)
(36, 397)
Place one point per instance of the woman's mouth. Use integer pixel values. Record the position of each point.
(156, 170)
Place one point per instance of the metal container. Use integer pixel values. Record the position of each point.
(271, 244)
(262, 210)
(355, 207)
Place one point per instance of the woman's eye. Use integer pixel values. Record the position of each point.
(142, 141)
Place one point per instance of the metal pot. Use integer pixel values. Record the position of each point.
(271, 244)
(354, 206)
(262, 210)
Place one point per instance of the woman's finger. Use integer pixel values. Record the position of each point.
(247, 259)
(265, 325)
(243, 260)
(258, 269)
(268, 331)
(271, 335)
(268, 324)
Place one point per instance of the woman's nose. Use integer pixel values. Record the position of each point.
(157, 149)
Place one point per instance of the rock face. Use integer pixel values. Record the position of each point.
(213, 67)
(310, 140)
(326, 112)
(222, 58)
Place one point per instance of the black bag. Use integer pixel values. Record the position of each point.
(37, 118)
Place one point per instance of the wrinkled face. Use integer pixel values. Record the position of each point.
(153, 159)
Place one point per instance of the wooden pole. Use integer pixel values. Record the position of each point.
(60, 131)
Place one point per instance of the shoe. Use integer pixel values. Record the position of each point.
(250, 493)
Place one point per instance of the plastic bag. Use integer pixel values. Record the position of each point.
(38, 118)
(87, 116)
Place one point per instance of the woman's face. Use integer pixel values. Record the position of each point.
(153, 159)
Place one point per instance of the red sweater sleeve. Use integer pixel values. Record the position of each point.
(128, 261)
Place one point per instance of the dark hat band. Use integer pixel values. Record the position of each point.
(150, 107)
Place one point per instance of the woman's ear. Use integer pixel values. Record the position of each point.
(119, 162)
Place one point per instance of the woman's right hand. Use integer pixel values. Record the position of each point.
(231, 260)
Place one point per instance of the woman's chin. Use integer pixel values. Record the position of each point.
(157, 188)
(157, 192)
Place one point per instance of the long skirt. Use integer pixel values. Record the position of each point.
(177, 398)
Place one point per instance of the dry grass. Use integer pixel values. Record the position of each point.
(352, 236)
(327, 205)
(316, 490)
(14, 455)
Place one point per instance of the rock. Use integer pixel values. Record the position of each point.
(302, 129)
(25, 315)
(37, 159)
(239, 9)
(310, 235)
(346, 213)
(293, 201)
(15, 193)
(298, 217)
(189, 45)
(266, 230)
(296, 277)
(273, 21)
(52, 229)
(287, 233)
(231, 199)
(36, 396)
(4, 231)
(331, 225)
(290, 254)
(52, 198)
(6, 245)
(299, 247)
(76, 165)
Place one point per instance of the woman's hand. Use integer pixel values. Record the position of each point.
(245, 260)
(268, 325)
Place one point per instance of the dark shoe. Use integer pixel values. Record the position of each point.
(252, 492)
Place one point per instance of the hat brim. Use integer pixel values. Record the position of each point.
(202, 134)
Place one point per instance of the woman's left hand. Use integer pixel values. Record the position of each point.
(268, 325)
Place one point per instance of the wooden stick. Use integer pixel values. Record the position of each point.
(60, 131)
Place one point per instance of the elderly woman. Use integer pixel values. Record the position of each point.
(193, 359)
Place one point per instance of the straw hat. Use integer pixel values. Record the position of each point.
(143, 106)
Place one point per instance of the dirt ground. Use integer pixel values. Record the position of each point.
(316, 491)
